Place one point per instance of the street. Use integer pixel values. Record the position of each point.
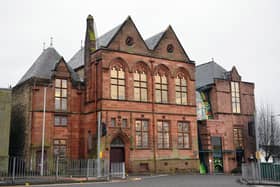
(166, 181)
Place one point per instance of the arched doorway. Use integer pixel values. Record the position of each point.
(117, 151)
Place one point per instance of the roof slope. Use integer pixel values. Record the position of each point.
(78, 59)
(206, 73)
(44, 65)
(104, 40)
(154, 40)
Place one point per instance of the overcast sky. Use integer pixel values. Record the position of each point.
(244, 33)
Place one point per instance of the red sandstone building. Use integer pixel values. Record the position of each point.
(225, 106)
(144, 90)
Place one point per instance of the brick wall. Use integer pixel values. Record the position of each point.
(5, 116)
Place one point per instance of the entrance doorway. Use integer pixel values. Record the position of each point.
(117, 151)
(117, 158)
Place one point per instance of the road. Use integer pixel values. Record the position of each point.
(165, 181)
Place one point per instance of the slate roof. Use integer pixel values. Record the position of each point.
(206, 73)
(153, 41)
(44, 65)
(105, 39)
(78, 59)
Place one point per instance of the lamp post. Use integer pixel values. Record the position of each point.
(43, 133)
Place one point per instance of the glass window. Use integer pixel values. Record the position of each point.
(251, 128)
(163, 133)
(60, 95)
(140, 86)
(181, 90)
(183, 135)
(124, 123)
(235, 97)
(113, 122)
(161, 86)
(60, 120)
(142, 130)
(238, 138)
(117, 83)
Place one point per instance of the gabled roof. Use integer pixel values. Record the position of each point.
(44, 66)
(104, 41)
(154, 40)
(206, 73)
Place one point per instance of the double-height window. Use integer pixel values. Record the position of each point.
(117, 83)
(60, 95)
(235, 97)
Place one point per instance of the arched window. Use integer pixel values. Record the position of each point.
(140, 86)
(181, 90)
(161, 85)
(117, 83)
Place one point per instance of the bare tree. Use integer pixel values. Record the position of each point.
(268, 131)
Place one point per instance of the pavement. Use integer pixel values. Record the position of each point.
(162, 181)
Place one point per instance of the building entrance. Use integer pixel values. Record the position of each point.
(117, 151)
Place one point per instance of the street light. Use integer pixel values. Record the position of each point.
(43, 131)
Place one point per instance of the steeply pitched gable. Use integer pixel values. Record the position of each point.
(234, 75)
(125, 31)
(168, 39)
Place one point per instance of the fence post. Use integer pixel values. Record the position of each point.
(56, 169)
(14, 168)
(123, 170)
(108, 169)
(87, 169)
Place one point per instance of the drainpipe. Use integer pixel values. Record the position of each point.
(153, 118)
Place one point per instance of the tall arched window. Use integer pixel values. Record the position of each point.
(117, 83)
(181, 90)
(161, 84)
(140, 86)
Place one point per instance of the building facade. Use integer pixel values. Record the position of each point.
(144, 91)
(225, 108)
(5, 117)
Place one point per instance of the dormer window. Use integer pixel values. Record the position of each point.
(60, 95)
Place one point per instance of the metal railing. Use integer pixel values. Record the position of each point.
(17, 169)
(261, 172)
(117, 170)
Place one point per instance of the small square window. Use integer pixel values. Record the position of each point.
(60, 120)
(113, 122)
